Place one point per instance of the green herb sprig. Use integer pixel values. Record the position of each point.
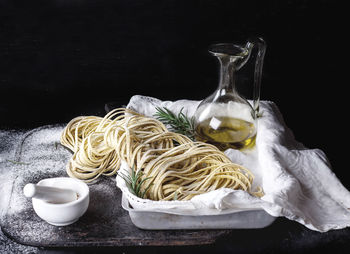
(134, 182)
(18, 162)
(179, 123)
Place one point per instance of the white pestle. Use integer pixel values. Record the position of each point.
(49, 194)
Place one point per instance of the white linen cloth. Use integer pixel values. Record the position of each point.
(298, 182)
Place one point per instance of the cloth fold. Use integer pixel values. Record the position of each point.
(298, 182)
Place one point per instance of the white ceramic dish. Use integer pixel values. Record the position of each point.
(66, 213)
(152, 220)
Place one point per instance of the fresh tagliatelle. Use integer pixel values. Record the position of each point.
(175, 166)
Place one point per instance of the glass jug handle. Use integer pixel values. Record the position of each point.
(261, 47)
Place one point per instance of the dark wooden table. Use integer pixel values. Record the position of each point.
(105, 223)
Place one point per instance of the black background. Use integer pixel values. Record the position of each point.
(61, 58)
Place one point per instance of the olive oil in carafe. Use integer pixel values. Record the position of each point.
(227, 132)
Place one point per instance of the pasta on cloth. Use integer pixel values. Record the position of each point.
(175, 166)
(298, 183)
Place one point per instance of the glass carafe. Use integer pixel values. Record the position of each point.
(227, 119)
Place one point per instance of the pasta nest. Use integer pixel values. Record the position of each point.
(173, 164)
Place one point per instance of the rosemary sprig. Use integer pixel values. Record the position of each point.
(134, 182)
(18, 162)
(175, 195)
(178, 123)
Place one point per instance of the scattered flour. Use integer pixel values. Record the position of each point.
(30, 157)
(21, 155)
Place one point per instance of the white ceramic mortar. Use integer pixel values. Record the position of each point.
(66, 213)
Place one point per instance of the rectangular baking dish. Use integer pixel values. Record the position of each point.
(153, 220)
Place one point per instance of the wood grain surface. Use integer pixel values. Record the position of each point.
(104, 224)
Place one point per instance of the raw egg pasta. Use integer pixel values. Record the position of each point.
(175, 166)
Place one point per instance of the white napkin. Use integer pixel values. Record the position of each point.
(298, 182)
